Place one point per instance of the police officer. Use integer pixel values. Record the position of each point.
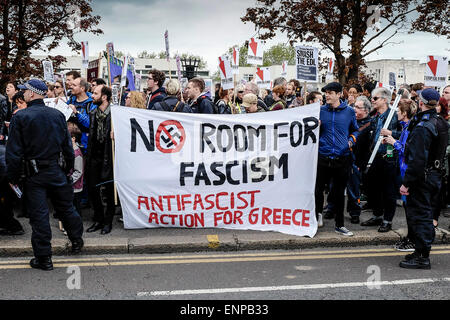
(424, 155)
(38, 141)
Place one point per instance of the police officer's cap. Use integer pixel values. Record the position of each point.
(333, 86)
(429, 96)
(35, 85)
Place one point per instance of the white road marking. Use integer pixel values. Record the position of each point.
(294, 287)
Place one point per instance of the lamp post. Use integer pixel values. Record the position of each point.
(190, 66)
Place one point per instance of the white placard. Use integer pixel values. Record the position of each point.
(84, 54)
(255, 52)
(61, 106)
(284, 68)
(226, 73)
(263, 78)
(235, 60)
(218, 171)
(436, 70)
(49, 76)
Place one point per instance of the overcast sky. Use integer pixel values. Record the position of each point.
(208, 28)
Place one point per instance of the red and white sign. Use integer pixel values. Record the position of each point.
(235, 60)
(263, 78)
(222, 171)
(226, 73)
(284, 68)
(436, 70)
(84, 54)
(255, 52)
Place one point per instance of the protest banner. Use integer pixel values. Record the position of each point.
(263, 78)
(307, 63)
(284, 68)
(436, 70)
(115, 68)
(392, 80)
(255, 52)
(49, 76)
(217, 171)
(84, 54)
(226, 73)
(93, 70)
(61, 105)
(235, 61)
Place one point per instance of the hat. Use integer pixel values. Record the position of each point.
(429, 96)
(333, 86)
(35, 85)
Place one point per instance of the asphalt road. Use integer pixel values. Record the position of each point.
(360, 273)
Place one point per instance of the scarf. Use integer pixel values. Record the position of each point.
(100, 116)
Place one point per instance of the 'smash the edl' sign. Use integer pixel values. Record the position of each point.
(251, 171)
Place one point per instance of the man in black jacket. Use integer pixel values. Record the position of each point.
(424, 155)
(99, 160)
(200, 102)
(38, 137)
(155, 83)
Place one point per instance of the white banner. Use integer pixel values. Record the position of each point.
(84, 54)
(226, 73)
(255, 52)
(263, 78)
(436, 70)
(217, 171)
(307, 63)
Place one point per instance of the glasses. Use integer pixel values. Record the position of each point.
(240, 91)
(57, 87)
(375, 98)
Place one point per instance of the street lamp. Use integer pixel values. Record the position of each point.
(190, 66)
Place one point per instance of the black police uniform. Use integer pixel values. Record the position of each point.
(424, 155)
(40, 133)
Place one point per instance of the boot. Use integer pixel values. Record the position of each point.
(42, 262)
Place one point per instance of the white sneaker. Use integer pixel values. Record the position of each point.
(320, 220)
(343, 231)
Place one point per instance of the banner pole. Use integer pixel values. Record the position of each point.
(304, 99)
(113, 161)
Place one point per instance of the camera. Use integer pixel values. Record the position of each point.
(298, 92)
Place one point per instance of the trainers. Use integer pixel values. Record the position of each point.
(343, 231)
(404, 245)
(320, 220)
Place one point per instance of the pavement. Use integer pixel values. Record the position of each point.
(170, 240)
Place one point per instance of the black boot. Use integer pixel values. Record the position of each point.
(42, 262)
(416, 261)
(77, 245)
(96, 226)
(106, 229)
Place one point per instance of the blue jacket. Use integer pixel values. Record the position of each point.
(338, 127)
(82, 118)
(399, 145)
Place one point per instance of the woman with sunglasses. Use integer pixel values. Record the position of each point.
(59, 89)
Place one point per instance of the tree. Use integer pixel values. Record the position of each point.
(145, 55)
(201, 64)
(39, 25)
(331, 23)
(279, 53)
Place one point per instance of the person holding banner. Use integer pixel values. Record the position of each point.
(99, 161)
(223, 102)
(338, 133)
(251, 87)
(383, 173)
(155, 83)
(424, 157)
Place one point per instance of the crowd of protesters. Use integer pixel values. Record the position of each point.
(363, 111)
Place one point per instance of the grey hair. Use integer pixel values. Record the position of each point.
(279, 81)
(384, 93)
(366, 103)
(406, 94)
(253, 87)
(172, 87)
(85, 84)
